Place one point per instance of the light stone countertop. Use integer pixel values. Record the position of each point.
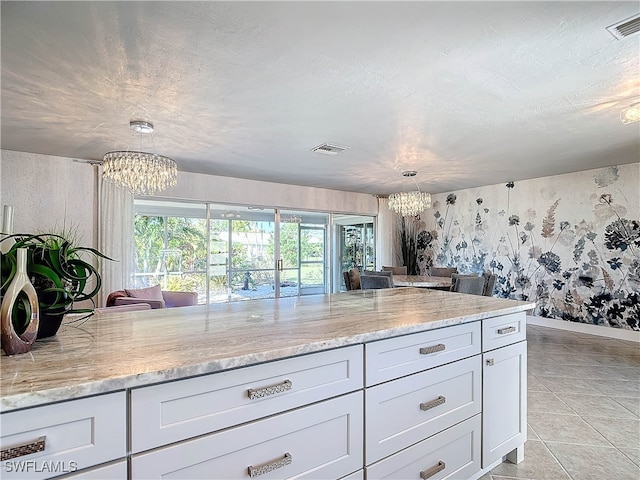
(115, 351)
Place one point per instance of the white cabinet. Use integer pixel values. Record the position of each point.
(320, 441)
(504, 401)
(453, 453)
(52, 440)
(174, 411)
(410, 409)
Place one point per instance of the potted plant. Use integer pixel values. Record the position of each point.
(60, 274)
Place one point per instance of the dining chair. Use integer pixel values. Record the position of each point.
(489, 284)
(370, 282)
(442, 271)
(384, 273)
(396, 270)
(352, 279)
(471, 284)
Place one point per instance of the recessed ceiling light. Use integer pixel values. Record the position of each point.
(630, 114)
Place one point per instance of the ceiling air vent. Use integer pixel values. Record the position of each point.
(329, 149)
(625, 28)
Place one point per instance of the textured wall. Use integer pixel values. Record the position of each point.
(569, 242)
(49, 194)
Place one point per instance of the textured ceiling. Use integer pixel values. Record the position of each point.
(466, 93)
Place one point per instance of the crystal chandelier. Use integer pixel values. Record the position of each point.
(140, 172)
(410, 204)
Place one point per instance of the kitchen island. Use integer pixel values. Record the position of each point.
(192, 390)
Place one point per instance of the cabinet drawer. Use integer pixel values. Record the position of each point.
(319, 441)
(405, 411)
(454, 454)
(74, 435)
(174, 411)
(395, 357)
(117, 470)
(504, 330)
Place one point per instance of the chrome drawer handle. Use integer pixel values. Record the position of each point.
(502, 331)
(433, 403)
(433, 349)
(433, 470)
(22, 450)
(270, 467)
(272, 390)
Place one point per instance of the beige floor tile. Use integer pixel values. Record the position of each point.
(539, 348)
(602, 405)
(632, 454)
(610, 373)
(565, 428)
(620, 388)
(567, 384)
(587, 462)
(546, 402)
(630, 403)
(621, 432)
(538, 463)
(531, 434)
(541, 369)
(604, 349)
(533, 384)
(609, 360)
(562, 358)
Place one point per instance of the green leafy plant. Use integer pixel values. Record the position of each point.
(58, 270)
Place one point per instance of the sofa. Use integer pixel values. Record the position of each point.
(154, 296)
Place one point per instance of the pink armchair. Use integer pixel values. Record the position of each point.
(153, 296)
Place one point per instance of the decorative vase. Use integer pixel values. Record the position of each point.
(19, 290)
(49, 324)
(7, 229)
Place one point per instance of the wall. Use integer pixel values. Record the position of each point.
(49, 192)
(569, 242)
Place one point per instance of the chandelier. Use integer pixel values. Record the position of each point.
(410, 204)
(140, 172)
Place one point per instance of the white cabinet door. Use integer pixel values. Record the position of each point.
(504, 401)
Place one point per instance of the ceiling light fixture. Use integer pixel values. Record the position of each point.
(630, 114)
(410, 204)
(140, 172)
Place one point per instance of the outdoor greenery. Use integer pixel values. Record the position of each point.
(172, 251)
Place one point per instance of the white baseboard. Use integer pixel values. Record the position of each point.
(609, 332)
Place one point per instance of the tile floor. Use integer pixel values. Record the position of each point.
(584, 409)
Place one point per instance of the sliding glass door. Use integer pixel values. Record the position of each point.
(230, 253)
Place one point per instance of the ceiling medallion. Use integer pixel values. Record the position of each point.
(140, 172)
(410, 204)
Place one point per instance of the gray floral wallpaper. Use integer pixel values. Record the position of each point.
(571, 243)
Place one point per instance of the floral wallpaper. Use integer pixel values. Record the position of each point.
(571, 242)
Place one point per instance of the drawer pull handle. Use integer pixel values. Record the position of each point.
(272, 390)
(270, 467)
(433, 403)
(433, 470)
(433, 349)
(502, 331)
(22, 450)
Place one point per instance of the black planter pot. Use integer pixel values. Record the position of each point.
(49, 324)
